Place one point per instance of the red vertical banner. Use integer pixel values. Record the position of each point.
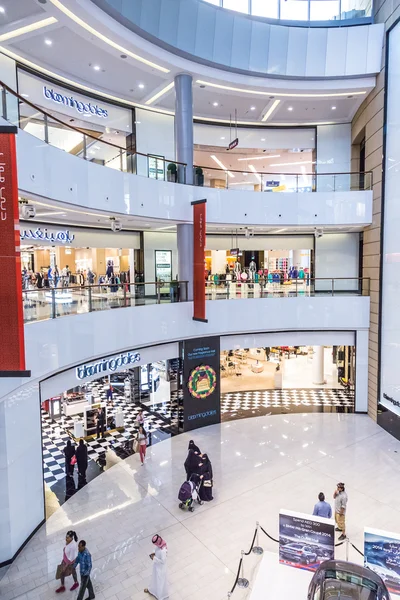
(12, 349)
(199, 244)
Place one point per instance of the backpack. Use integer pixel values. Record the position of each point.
(185, 492)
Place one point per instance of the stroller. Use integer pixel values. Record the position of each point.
(188, 492)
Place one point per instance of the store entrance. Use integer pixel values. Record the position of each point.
(104, 413)
(286, 379)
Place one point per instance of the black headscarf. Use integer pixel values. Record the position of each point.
(69, 450)
(206, 468)
(192, 463)
(192, 446)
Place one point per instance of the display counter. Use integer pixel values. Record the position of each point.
(74, 404)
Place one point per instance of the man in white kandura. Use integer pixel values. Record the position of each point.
(159, 586)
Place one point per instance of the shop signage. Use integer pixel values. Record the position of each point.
(163, 265)
(107, 364)
(65, 237)
(382, 555)
(235, 252)
(199, 237)
(305, 541)
(201, 382)
(233, 144)
(272, 183)
(12, 352)
(85, 108)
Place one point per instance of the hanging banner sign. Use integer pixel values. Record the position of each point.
(199, 242)
(12, 353)
(233, 144)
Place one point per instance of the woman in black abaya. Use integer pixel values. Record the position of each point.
(192, 460)
(206, 474)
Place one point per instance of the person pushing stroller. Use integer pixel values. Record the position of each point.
(189, 492)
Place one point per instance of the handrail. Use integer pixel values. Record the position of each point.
(165, 160)
(78, 129)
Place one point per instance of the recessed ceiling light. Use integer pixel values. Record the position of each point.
(252, 108)
(333, 107)
(290, 107)
(263, 139)
(222, 138)
(215, 103)
(96, 68)
(47, 41)
(141, 86)
(2, 10)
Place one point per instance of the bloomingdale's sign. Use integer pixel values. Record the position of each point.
(43, 235)
(107, 364)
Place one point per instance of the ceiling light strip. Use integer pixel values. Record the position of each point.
(254, 170)
(104, 38)
(281, 94)
(219, 163)
(160, 93)
(260, 157)
(270, 110)
(27, 29)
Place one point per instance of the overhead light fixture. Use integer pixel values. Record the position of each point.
(279, 94)
(215, 103)
(222, 138)
(96, 68)
(48, 42)
(2, 10)
(263, 139)
(160, 93)
(252, 108)
(333, 107)
(27, 29)
(254, 170)
(269, 112)
(261, 157)
(141, 86)
(105, 39)
(290, 108)
(219, 163)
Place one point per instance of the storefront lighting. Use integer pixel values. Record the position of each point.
(104, 38)
(160, 93)
(27, 28)
(220, 164)
(280, 94)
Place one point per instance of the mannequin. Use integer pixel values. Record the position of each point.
(252, 270)
(301, 273)
(295, 273)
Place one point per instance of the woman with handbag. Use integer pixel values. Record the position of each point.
(206, 475)
(67, 568)
(141, 442)
(70, 458)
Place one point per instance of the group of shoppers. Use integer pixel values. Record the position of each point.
(323, 509)
(199, 464)
(76, 456)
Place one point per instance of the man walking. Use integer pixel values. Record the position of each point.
(340, 497)
(322, 508)
(84, 559)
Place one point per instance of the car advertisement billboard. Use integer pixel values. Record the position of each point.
(382, 555)
(305, 541)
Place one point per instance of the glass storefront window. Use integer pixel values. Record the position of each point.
(294, 10)
(265, 8)
(238, 5)
(324, 10)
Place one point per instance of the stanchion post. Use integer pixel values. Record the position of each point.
(242, 581)
(257, 548)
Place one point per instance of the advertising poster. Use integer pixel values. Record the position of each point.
(305, 541)
(199, 243)
(201, 382)
(164, 268)
(382, 555)
(12, 354)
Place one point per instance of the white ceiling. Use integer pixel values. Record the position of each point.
(74, 52)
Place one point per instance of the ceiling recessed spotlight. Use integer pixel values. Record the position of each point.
(333, 107)
(252, 108)
(96, 68)
(215, 103)
(263, 139)
(2, 10)
(47, 41)
(222, 138)
(141, 86)
(290, 107)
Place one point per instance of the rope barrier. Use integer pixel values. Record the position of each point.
(356, 549)
(252, 543)
(269, 536)
(237, 576)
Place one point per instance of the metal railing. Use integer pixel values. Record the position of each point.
(91, 147)
(54, 302)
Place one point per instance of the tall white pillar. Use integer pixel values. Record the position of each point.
(185, 256)
(184, 124)
(318, 365)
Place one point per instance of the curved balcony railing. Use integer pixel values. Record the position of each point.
(54, 302)
(101, 152)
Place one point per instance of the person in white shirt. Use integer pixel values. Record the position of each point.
(159, 585)
(69, 555)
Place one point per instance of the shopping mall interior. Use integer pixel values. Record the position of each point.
(199, 241)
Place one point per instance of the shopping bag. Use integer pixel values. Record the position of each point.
(136, 446)
(73, 460)
(59, 572)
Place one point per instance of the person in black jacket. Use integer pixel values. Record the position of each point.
(192, 461)
(82, 458)
(206, 474)
(69, 452)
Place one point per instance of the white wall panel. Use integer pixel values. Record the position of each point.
(336, 52)
(277, 52)
(297, 52)
(223, 42)
(242, 42)
(356, 56)
(259, 47)
(154, 135)
(52, 173)
(316, 52)
(337, 255)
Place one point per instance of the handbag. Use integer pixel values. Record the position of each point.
(136, 446)
(73, 460)
(60, 570)
(207, 483)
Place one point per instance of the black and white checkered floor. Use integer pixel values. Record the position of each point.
(55, 436)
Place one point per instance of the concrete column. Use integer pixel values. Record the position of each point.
(184, 124)
(185, 255)
(318, 365)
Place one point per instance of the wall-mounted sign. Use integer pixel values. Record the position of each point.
(163, 265)
(107, 364)
(85, 108)
(235, 252)
(156, 167)
(233, 144)
(65, 237)
(272, 183)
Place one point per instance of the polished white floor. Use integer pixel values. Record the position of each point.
(260, 465)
